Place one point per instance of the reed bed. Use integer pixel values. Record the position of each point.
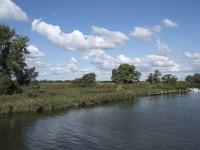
(55, 96)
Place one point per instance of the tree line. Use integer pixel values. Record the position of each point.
(127, 74)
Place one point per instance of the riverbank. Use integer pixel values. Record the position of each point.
(55, 96)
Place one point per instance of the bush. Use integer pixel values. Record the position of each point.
(88, 80)
(7, 86)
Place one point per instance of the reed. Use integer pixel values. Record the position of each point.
(55, 96)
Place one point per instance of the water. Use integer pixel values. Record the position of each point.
(150, 123)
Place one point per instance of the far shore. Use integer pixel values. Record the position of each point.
(57, 96)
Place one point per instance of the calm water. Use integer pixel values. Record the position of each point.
(150, 123)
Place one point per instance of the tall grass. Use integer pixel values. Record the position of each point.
(54, 96)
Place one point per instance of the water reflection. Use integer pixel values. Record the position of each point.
(162, 122)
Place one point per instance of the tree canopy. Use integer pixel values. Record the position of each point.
(154, 77)
(169, 79)
(88, 79)
(14, 72)
(193, 80)
(125, 73)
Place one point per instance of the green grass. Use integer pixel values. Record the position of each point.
(55, 96)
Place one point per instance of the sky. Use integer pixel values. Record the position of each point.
(69, 38)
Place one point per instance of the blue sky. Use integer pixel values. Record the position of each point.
(69, 38)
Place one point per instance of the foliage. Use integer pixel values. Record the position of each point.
(169, 79)
(7, 86)
(154, 78)
(193, 80)
(88, 79)
(14, 72)
(125, 73)
(77, 81)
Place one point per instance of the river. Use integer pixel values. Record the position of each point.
(149, 123)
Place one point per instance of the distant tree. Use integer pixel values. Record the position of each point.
(77, 81)
(169, 79)
(189, 78)
(125, 73)
(88, 79)
(154, 77)
(14, 72)
(193, 80)
(196, 78)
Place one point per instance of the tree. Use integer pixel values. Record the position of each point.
(125, 73)
(189, 79)
(14, 72)
(169, 79)
(88, 79)
(154, 77)
(194, 80)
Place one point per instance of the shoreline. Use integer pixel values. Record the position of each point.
(53, 97)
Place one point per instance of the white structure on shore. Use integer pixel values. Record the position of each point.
(194, 89)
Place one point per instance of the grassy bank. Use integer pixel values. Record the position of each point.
(54, 96)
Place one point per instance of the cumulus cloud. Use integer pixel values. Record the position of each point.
(10, 11)
(141, 33)
(101, 64)
(35, 57)
(162, 61)
(121, 59)
(195, 56)
(193, 61)
(34, 52)
(100, 38)
(157, 28)
(100, 60)
(162, 48)
(60, 69)
(169, 23)
(103, 61)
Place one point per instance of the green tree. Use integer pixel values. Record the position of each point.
(88, 79)
(193, 80)
(14, 72)
(169, 79)
(189, 79)
(125, 73)
(154, 77)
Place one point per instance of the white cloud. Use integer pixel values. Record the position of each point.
(143, 34)
(10, 11)
(101, 64)
(100, 38)
(34, 52)
(72, 66)
(73, 60)
(58, 71)
(170, 24)
(157, 28)
(192, 61)
(194, 56)
(162, 61)
(61, 69)
(35, 58)
(101, 60)
(162, 48)
(121, 59)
